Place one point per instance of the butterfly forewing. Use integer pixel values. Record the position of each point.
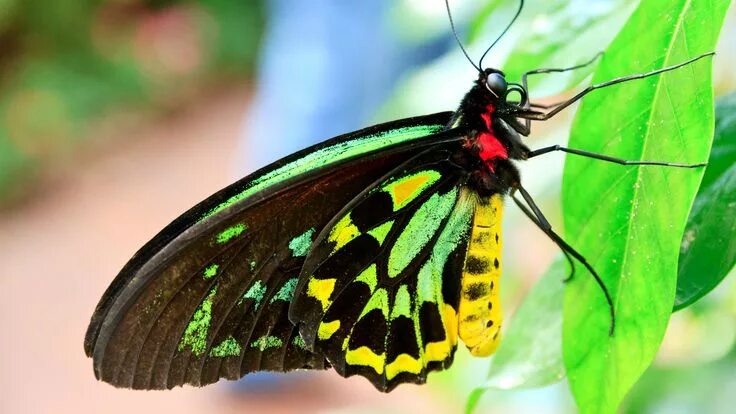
(378, 293)
(367, 144)
(224, 287)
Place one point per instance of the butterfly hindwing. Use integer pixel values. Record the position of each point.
(208, 297)
(378, 293)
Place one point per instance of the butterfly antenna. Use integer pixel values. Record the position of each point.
(518, 12)
(454, 32)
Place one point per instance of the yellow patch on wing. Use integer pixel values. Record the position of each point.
(406, 189)
(343, 232)
(327, 329)
(366, 357)
(403, 363)
(450, 319)
(439, 351)
(321, 289)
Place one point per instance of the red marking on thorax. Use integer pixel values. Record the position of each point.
(491, 148)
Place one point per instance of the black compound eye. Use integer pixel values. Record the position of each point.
(496, 83)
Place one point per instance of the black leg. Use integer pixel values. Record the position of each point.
(607, 158)
(557, 70)
(525, 84)
(522, 128)
(542, 116)
(542, 106)
(544, 225)
(531, 217)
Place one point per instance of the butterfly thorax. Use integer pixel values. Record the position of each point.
(490, 143)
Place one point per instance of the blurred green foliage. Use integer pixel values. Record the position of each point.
(695, 374)
(66, 63)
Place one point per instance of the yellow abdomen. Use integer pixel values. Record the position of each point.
(479, 312)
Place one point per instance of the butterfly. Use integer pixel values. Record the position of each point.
(374, 253)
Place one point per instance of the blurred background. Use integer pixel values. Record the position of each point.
(118, 115)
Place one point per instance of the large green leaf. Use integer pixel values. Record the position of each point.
(530, 354)
(708, 250)
(628, 221)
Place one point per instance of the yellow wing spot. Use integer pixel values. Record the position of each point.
(439, 351)
(327, 329)
(321, 289)
(403, 363)
(406, 189)
(450, 324)
(366, 357)
(343, 232)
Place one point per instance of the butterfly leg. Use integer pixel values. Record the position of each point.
(532, 211)
(525, 85)
(524, 81)
(531, 217)
(620, 161)
(542, 116)
(543, 106)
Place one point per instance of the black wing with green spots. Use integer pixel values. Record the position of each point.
(378, 294)
(208, 297)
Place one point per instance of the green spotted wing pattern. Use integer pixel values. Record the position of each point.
(379, 292)
(208, 297)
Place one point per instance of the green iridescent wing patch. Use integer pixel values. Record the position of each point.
(378, 293)
(361, 144)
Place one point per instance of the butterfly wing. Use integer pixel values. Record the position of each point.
(379, 292)
(208, 296)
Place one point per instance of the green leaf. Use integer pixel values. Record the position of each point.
(628, 221)
(708, 250)
(530, 353)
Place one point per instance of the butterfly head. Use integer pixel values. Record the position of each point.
(500, 90)
(495, 82)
